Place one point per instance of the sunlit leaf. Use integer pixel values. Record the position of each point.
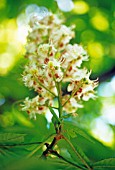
(105, 164)
(11, 137)
(72, 127)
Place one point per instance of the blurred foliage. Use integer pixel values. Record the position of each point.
(95, 29)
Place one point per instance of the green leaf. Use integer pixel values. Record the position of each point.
(76, 154)
(82, 154)
(55, 118)
(71, 133)
(39, 146)
(11, 137)
(70, 126)
(73, 130)
(105, 164)
(67, 115)
(59, 163)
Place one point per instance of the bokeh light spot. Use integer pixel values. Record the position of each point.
(2, 3)
(79, 24)
(106, 89)
(6, 61)
(112, 51)
(113, 25)
(11, 43)
(100, 22)
(96, 52)
(87, 36)
(81, 7)
(102, 131)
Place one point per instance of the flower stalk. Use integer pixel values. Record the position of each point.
(59, 99)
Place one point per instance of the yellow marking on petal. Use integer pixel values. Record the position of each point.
(57, 56)
(50, 64)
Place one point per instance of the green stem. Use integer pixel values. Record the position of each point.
(79, 156)
(59, 99)
(38, 147)
(72, 94)
(67, 100)
(46, 88)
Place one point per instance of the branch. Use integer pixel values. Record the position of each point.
(59, 99)
(45, 88)
(36, 149)
(51, 146)
(67, 161)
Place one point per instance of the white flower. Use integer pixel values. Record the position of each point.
(79, 50)
(35, 13)
(52, 61)
(46, 51)
(33, 106)
(65, 5)
(75, 104)
(76, 53)
(88, 95)
(28, 80)
(87, 87)
(53, 64)
(72, 105)
(58, 75)
(79, 74)
(42, 50)
(61, 36)
(31, 47)
(71, 86)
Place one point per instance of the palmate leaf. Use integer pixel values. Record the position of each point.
(82, 154)
(11, 137)
(60, 164)
(72, 130)
(94, 150)
(38, 164)
(106, 164)
(76, 154)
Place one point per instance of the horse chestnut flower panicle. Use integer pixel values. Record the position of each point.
(52, 60)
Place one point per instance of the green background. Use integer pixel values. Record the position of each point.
(95, 30)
